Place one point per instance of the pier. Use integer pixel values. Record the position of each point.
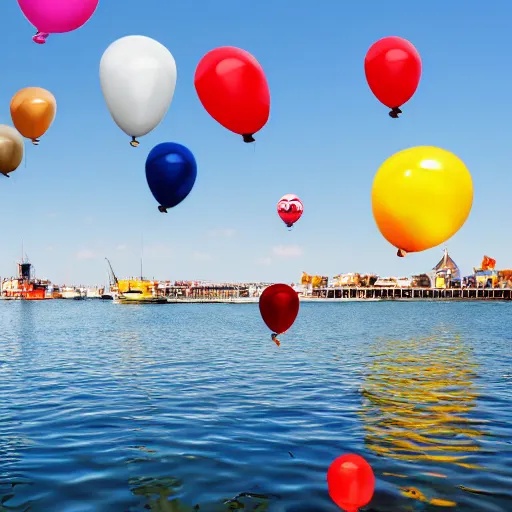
(213, 300)
(377, 293)
(371, 294)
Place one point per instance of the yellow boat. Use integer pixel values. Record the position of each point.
(138, 297)
(139, 291)
(135, 291)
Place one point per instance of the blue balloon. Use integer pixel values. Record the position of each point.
(171, 172)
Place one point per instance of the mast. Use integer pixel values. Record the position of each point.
(114, 277)
(141, 254)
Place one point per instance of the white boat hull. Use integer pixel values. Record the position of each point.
(73, 294)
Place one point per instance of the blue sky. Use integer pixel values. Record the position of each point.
(82, 194)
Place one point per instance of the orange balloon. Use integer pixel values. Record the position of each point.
(33, 111)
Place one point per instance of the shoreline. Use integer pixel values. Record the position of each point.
(377, 294)
(410, 293)
(349, 294)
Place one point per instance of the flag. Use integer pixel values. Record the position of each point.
(488, 263)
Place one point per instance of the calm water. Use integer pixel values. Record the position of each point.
(106, 407)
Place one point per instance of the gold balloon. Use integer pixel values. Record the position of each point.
(11, 149)
(33, 111)
(421, 197)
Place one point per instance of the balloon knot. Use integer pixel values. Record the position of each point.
(6, 175)
(134, 143)
(289, 225)
(162, 209)
(275, 340)
(40, 37)
(395, 112)
(248, 137)
(401, 253)
(35, 142)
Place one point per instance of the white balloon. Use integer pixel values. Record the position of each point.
(138, 79)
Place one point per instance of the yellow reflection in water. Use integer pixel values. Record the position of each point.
(418, 399)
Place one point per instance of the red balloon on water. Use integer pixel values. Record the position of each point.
(279, 306)
(290, 209)
(351, 482)
(232, 87)
(393, 71)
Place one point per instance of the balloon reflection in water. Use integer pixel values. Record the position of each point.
(418, 398)
(160, 493)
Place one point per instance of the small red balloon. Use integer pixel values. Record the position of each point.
(393, 70)
(290, 209)
(351, 482)
(232, 87)
(279, 306)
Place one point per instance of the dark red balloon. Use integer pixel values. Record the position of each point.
(290, 209)
(279, 306)
(393, 71)
(351, 482)
(232, 87)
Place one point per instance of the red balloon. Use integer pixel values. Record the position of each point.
(393, 70)
(279, 306)
(290, 209)
(232, 87)
(351, 482)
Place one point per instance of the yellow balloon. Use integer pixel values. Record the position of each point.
(421, 197)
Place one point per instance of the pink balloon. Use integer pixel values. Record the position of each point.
(57, 16)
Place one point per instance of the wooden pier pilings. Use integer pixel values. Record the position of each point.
(451, 294)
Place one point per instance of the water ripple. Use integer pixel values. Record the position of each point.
(166, 409)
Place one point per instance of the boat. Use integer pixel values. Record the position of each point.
(94, 293)
(138, 297)
(136, 291)
(69, 292)
(25, 286)
(55, 292)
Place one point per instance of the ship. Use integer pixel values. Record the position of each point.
(94, 292)
(136, 291)
(25, 286)
(71, 292)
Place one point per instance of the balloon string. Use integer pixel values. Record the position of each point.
(394, 113)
